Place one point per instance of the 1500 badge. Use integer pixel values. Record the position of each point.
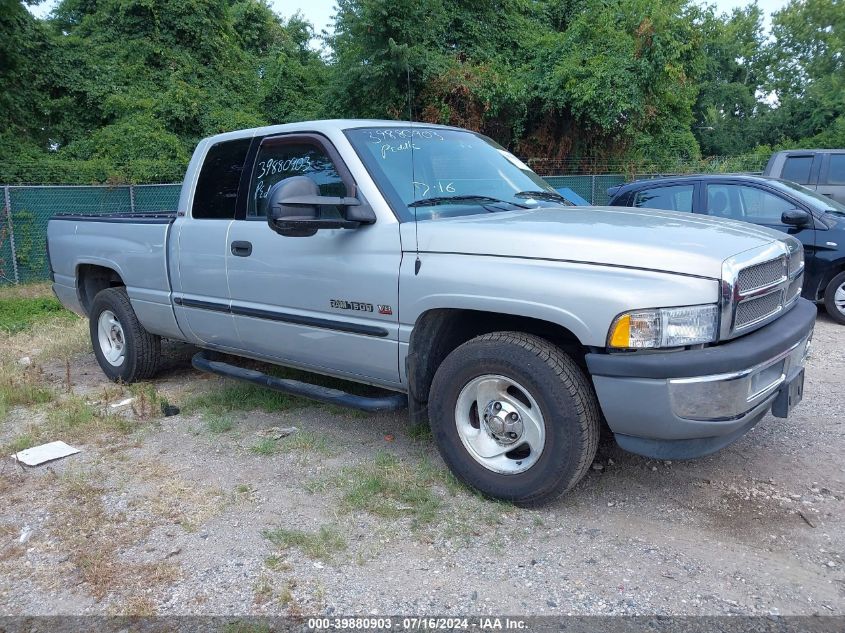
(341, 304)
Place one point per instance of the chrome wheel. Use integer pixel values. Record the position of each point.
(839, 298)
(111, 339)
(500, 424)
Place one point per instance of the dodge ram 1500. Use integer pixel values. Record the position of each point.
(431, 262)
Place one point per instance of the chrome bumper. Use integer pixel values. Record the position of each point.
(732, 395)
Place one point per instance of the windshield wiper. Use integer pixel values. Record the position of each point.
(543, 195)
(430, 202)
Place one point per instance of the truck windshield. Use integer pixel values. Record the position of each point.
(429, 173)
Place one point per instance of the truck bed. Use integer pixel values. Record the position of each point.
(134, 245)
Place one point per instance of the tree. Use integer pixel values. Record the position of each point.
(23, 49)
(806, 72)
(728, 109)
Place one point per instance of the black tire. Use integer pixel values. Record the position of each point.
(558, 386)
(141, 350)
(835, 313)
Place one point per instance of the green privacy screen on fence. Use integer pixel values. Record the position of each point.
(23, 225)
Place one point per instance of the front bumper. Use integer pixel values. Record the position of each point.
(678, 405)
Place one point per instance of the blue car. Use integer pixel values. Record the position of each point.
(817, 220)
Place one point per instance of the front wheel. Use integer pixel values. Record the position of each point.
(514, 417)
(125, 351)
(834, 298)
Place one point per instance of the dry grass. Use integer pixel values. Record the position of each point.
(42, 335)
(26, 291)
(174, 499)
(21, 386)
(95, 539)
(136, 607)
(72, 419)
(10, 548)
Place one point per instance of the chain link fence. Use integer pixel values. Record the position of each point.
(26, 210)
(23, 226)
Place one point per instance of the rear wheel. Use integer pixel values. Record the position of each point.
(514, 417)
(125, 351)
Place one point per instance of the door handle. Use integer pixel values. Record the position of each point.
(241, 248)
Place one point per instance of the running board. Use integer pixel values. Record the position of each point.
(294, 387)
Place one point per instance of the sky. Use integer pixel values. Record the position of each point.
(319, 12)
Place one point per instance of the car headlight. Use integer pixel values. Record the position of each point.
(664, 327)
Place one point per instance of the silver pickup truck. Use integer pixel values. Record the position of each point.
(430, 262)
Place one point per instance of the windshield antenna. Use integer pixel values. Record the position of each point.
(417, 263)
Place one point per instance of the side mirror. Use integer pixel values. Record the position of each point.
(293, 209)
(795, 217)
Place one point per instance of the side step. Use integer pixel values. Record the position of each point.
(202, 362)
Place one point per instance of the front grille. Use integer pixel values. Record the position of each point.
(796, 261)
(751, 311)
(794, 288)
(761, 275)
(758, 285)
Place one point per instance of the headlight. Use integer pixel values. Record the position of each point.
(664, 327)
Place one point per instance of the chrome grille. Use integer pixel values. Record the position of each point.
(758, 285)
(753, 310)
(796, 261)
(761, 275)
(794, 288)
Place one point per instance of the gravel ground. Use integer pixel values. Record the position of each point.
(179, 516)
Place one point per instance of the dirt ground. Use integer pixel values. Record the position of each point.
(208, 512)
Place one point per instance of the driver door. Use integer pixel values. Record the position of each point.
(324, 302)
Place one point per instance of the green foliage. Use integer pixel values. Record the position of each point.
(388, 487)
(121, 90)
(322, 544)
(20, 313)
(240, 396)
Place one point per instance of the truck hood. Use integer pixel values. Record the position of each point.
(613, 236)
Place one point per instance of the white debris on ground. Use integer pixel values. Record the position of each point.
(44, 453)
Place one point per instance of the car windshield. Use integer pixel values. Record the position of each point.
(815, 200)
(430, 173)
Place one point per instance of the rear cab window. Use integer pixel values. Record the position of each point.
(218, 184)
(669, 197)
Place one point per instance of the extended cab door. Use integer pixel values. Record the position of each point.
(200, 289)
(328, 301)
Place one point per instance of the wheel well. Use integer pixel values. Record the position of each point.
(438, 332)
(91, 279)
(835, 268)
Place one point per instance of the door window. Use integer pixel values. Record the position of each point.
(836, 170)
(216, 193)
(750, 204)
(797, 169)
(671, 198)
(277, 161)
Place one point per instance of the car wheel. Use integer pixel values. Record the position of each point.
(125, 351)
(514, 417)
(834, 298)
